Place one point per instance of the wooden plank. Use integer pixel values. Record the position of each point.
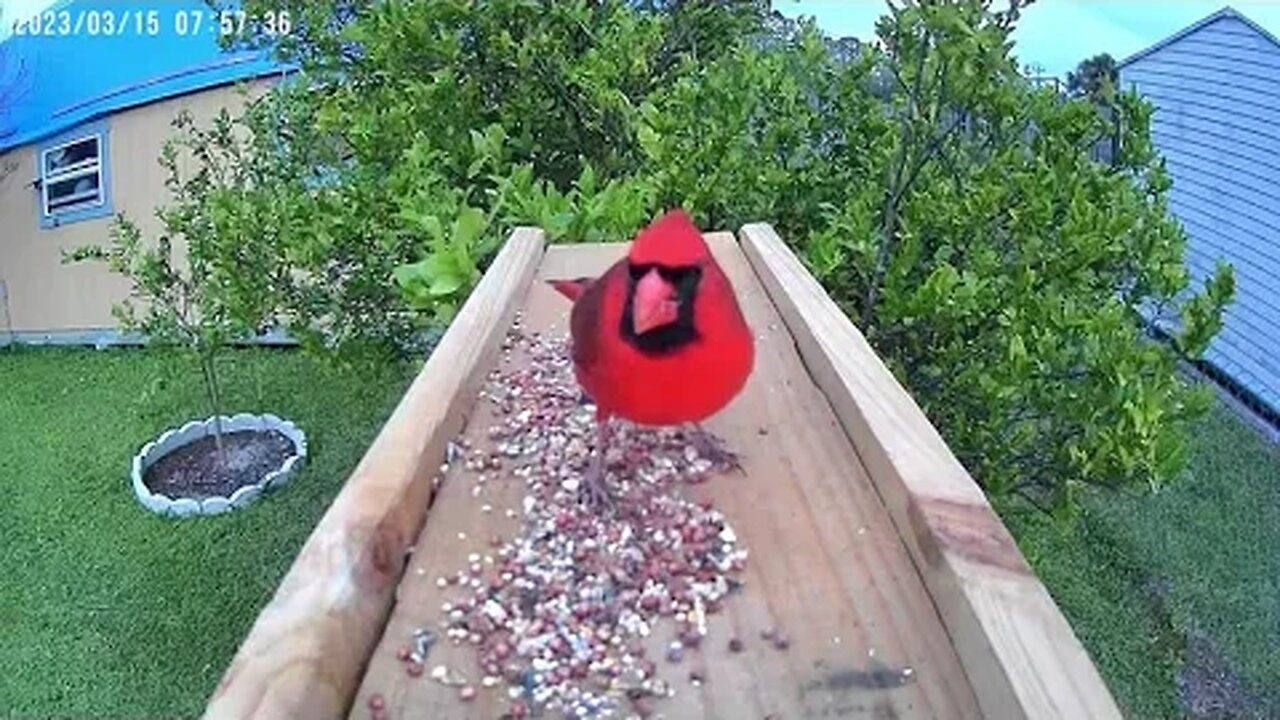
(1020, 654)
(826, 561)
(306, 653)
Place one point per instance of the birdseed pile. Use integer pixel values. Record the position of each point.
(557, 616)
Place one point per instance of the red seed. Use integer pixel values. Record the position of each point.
(414, 669)
(642, 707)
(519, 709)
(404, 653)
(781, 641)
(467, 693)
(735, 645)
(377, 702)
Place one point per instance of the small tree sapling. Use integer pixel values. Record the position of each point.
(222, 289)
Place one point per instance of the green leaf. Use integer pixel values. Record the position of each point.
(468, 227)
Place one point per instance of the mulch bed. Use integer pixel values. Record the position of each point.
(194, 471)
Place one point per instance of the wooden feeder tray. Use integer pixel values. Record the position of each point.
(869, 542)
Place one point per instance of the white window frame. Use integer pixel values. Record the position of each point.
(84, 168)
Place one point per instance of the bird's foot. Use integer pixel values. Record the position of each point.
(713, 448)
(594, 491)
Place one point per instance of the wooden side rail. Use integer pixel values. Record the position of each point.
(307, 651)
(1020, 655)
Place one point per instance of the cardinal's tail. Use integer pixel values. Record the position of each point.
(571, 289)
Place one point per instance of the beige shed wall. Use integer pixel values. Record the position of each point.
(39, 294)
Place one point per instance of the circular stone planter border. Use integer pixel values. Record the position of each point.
(175, 438)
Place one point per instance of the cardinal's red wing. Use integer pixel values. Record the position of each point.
(571, 289)
(590, 319)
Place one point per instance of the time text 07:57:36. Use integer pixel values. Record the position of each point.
(150, 23)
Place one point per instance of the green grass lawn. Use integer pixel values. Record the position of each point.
(106, 609)
(1145, 581)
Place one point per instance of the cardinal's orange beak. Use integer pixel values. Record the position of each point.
(655, 303)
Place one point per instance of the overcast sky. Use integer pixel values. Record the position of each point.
(1058, 34)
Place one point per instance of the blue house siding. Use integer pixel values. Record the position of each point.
(1216, 89)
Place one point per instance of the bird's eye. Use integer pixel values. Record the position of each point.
(638, 271)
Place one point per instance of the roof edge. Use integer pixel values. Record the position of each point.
(1225, 12)
(7, 146)
(224, 62)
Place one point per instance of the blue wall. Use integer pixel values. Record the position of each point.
(1217, 95)
(57, 81)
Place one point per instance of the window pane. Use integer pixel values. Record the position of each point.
(69, 155)
(66, 194)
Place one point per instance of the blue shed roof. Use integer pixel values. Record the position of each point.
(57, 80)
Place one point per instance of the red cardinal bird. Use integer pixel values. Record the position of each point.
(659, 339)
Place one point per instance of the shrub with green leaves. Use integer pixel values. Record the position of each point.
(948, 206)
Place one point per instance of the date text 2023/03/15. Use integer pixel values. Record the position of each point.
(151, 23)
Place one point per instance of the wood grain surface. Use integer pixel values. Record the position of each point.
(1020, 654)
(307, 651)
(827, 564)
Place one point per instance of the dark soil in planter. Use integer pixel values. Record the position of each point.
(193, 470)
